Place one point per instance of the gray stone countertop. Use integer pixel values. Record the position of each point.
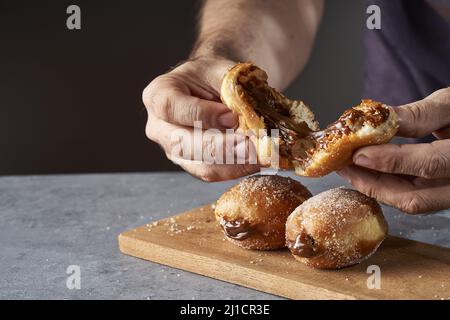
(48, 223)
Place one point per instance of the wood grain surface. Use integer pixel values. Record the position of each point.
(193, 241)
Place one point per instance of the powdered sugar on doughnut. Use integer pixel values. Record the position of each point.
(273, 188)
(344, 225)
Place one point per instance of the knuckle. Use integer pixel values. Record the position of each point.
(434, 166)
(156, 96)
(194, 112)
(149, 91)
(147, 96)
(372, 189)
(149, 130)
(431, 168)
(163, 107)
(209, 178)
(416, 115)
(390, 161)
(413, 204)
(441, 95)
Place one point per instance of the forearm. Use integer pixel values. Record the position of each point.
(276, 35)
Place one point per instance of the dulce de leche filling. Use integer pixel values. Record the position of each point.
(240, 229)
(298, 141)
(237, 229)
(275, 115)
(303, 246)
(352, 120)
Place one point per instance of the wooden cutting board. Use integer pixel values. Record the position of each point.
(193, 241)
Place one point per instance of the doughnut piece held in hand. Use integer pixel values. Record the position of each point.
(287, 136)
(253, 213)
(335, 229)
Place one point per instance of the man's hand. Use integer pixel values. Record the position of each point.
(278, 37)
(189, 93)
(414, 178)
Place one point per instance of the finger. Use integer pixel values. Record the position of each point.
(217, 172)
(427, 160)
(422, 117)
(443, 133)
(171, 101)
(377, 185)
(161, 132)
(399, 192)
(209, 147)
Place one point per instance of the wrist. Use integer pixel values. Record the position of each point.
(218, 49)
(212, 60)
(208, 70)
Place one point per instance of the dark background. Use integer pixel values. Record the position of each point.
(70, 101)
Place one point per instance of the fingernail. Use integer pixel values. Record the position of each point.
(344, 174)
(227, 120)
(363, 161)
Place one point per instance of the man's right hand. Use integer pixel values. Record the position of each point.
(187, 94)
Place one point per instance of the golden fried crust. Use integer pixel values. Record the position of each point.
(234, 96)
(335, 229)
(240, 102)
(261, 204)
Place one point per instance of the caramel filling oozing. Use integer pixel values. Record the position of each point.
(298, 141)
(276, 116)
(240, 229)
(304, 246)
(350, 121)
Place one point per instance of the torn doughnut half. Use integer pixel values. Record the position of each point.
(299, 142)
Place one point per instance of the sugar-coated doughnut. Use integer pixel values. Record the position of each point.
(300, 144)
(335, 229)
(325, 151)
(253, 213)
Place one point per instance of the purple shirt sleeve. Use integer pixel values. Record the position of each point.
(409, 57)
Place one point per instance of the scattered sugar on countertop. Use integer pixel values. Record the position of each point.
(174, 228)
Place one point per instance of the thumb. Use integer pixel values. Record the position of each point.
(420, 118)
